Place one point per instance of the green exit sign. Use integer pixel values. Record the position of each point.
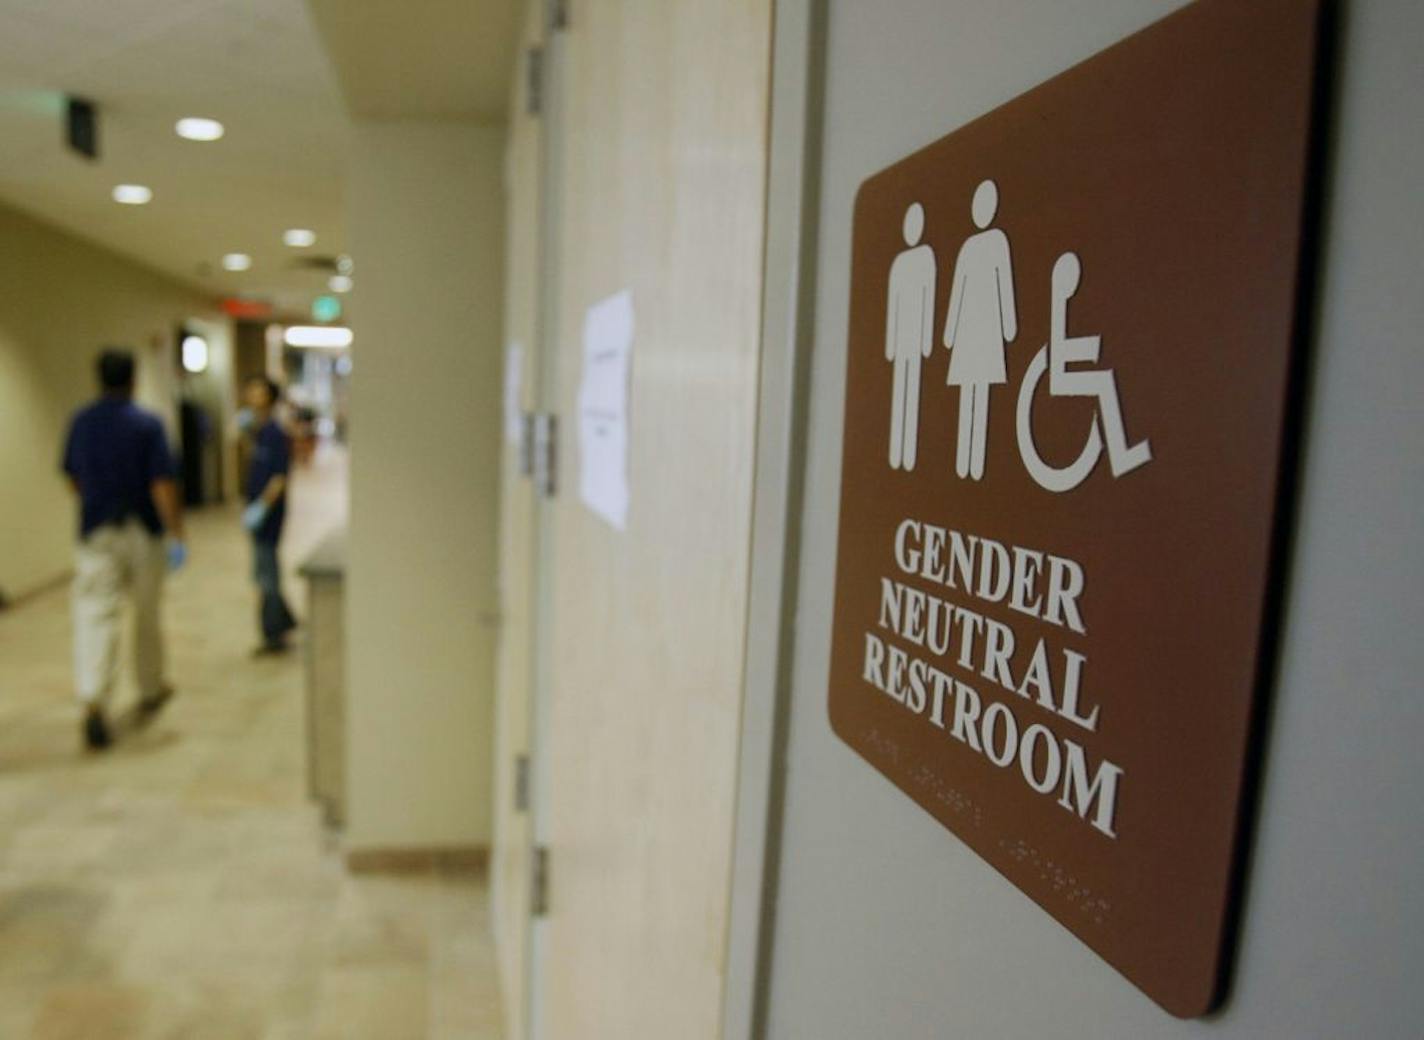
(326, 308)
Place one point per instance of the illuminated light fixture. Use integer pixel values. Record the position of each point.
(132, 194)
(247, 308)
(340, 283)
(317, 336)
(195, 354)
(326, 308)
(236, 262)
(298, 238)
(196, 129)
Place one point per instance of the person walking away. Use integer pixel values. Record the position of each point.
(117, 458)
(267, 509)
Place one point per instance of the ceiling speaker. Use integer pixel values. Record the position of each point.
(82, 127)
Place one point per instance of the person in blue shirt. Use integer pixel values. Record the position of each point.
(267, 509)
(117, 459)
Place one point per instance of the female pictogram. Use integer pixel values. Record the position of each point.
(982, 319)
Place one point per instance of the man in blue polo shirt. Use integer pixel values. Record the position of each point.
(267, 510)
(117, 458)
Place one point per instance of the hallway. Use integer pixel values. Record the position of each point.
(181, 885)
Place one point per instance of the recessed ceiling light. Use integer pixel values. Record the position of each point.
(318, 336)
(196, 129)
(236, 262)
(298, 238)
(344, 264)
(132, 194)
(340, 283)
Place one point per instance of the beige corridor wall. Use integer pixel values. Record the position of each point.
(61, 299)
(426, 225)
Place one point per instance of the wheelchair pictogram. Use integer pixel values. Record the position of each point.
(1054, 357)
(1052, 478)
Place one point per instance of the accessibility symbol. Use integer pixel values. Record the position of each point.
(1056, 355)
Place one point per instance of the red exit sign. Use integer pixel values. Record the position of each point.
(236, 307)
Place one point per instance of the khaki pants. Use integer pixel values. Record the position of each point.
(112, 562)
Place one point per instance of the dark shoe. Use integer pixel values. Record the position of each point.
(272, 649)
(96, 731)
(151, 706)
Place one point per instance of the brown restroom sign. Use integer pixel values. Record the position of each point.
(1070, 348)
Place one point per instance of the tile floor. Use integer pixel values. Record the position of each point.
(181, 885)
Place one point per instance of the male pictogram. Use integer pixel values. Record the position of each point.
(909, 335)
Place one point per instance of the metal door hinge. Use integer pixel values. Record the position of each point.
(558, 14)
(526, 444)
(534, 82)
(546, 436)
(521, 783)
(539, 882)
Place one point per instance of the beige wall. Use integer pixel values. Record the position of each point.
(62, 299)
(426, 225)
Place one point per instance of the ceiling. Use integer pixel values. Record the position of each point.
(281, 75)
(427, 58)
(256, 65)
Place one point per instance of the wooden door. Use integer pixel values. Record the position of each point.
(663, 127)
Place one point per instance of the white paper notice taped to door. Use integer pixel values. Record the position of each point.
(603, 408)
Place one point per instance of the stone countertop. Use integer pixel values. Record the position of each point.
(328, 559)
